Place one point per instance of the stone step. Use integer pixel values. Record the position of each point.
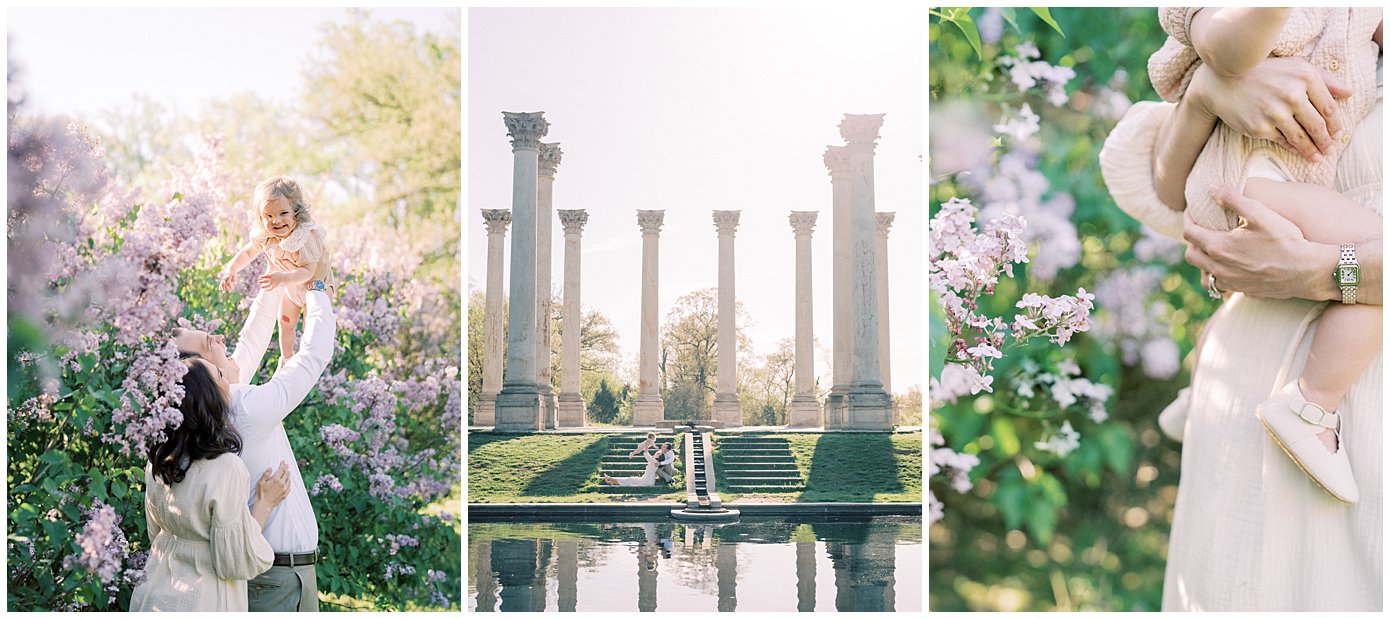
(756, 479)
(769, 489)
(738, 474)
(657, 489)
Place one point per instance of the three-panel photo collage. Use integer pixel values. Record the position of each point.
(815, 308)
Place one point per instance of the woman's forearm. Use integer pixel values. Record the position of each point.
(261, 512)
(1233, 40)
(1179, 142)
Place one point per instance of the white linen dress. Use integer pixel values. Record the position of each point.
(1250, 531)
(648, 477)
(206, 544)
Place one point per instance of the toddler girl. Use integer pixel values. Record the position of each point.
(293, 244)
(1301, 417)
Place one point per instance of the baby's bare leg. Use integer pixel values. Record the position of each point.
(1348, 336)
(289, 319)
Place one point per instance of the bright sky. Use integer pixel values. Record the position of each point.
(82, 61)
(695, 110)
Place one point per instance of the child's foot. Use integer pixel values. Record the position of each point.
(1297, 425)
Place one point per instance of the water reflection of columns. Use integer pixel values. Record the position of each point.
(483, 578)
(520, 566)
(726, 574)
(864, 574)
(805, 576)
(568, 560)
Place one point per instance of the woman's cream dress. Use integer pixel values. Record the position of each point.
(206, 544)
(1251, 532)
(648, 477)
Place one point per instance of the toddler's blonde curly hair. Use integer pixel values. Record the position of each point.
(281, 187)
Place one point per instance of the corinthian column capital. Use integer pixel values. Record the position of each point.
(496, 220)
(860, 131)
(549, 158)
(726, 222)
(836, 160)
(573, 220)
(525, 128)
(803, 222)
(883, 222)
(650, 221)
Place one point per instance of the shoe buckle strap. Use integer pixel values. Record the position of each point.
(1319, 416)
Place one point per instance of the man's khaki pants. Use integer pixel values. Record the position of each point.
(285, 589)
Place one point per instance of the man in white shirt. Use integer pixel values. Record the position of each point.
(665, 463)
(257, 411)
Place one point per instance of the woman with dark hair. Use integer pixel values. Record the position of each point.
(205, 542)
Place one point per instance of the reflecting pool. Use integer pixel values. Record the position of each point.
(783, 564)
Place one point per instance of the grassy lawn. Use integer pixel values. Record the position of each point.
(553, 468)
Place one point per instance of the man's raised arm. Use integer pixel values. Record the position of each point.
(255, 335)
(273, 401)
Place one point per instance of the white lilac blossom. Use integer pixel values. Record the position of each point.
(1019, 126)
(1062, 442)
(1064, 386)
(953, 466)
(1025, 73)
(990, 25)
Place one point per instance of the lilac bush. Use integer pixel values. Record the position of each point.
(100, 275)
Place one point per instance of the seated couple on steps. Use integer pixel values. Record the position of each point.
(661, 465)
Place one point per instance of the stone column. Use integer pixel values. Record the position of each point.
(869, 405)
(568, 586)
(805, 410)
(836, 160)
(805, 577)
(571, 404)
(519, 403)
(549, 159)
(648, 408)
(727, 408)
(884, 221)
(496, 221)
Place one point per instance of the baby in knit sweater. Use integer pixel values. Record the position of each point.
(1301, 417)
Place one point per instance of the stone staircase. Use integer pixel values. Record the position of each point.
(617, 463)
(753, 463)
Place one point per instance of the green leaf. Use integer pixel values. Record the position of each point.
(1010, 15)
(972, 34)
(1011, 497)
(1046, 15)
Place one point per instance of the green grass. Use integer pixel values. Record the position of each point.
(554, 468)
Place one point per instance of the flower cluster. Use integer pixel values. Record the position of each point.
(1026, 71)
(103, 543)
(1062, 442)
(954, 466)
(1135, 324)
(1064, 386)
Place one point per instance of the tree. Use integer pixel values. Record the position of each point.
(689, 353)
(386, 99)
(766, 386)
(909, 406)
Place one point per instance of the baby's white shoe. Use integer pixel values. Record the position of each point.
(1295, 423)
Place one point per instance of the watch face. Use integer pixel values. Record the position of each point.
(1348, 274)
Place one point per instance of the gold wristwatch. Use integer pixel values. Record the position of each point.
(1348, 273)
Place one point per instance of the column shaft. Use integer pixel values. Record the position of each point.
(727, 409)
(518, 404)
(884, 221)
(548, 160)
(837, 162)
(805, 410)
(869, 406)
(571, 403)
(648, 408)
(496, 221)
